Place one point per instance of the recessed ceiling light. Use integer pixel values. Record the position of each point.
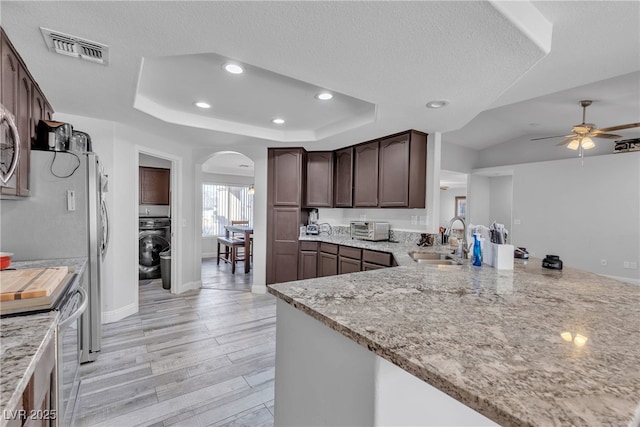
(202, 104)
(233, 68)
(324, 96)
(278, 121)
(437, 104)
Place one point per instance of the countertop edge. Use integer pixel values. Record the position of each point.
(483, 406)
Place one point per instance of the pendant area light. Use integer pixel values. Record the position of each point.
(251, 191)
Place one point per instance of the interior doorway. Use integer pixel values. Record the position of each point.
(157, 220)
(227, 198)
(453, 197)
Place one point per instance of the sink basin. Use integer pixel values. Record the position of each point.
(437, 261)
(434, 259)
(420, 256)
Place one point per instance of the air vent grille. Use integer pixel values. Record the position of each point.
(66, 44)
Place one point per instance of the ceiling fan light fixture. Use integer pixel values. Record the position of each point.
(573, 145)
(587, 143)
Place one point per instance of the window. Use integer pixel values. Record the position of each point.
(222, 204)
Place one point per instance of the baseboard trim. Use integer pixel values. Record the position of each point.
(119, 314)
(188, 287)
(209, 255)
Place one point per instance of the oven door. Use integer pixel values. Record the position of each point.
(69, 356)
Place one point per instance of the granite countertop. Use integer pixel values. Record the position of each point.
(501, 342)
(23, 338)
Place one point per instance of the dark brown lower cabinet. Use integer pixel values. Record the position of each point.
(367, 266)
(349, 260)
(284, 244)
(308, 266)
(328, 260)
(39, 400)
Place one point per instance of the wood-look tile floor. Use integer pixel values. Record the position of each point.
(201, 358)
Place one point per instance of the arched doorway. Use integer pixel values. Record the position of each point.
(227, 197)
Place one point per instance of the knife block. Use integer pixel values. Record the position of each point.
(498, 256)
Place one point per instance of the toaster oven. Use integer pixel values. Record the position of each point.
(370, 230)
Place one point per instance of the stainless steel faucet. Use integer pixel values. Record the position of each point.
(465, 247)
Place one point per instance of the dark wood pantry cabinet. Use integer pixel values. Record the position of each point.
(154, 186)
(285, 179)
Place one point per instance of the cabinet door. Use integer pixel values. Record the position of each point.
(365, 175)
(348, 265)
(287, 176)
(282, 236)
(38, 111)
(393, 178)
(9, 81)
(367, 266)
(319, 179)
(23, 123)
(327, 264)
(343, 185)
(308, 268)
(154, 186)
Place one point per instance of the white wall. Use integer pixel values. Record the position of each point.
(118, 147)
(458, 159)
(583, 213)
(478, 200)
(501, 200)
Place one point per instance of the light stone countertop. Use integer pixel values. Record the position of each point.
(492, 339)
(23, 339)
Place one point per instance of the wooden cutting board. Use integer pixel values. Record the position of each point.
(30, 282)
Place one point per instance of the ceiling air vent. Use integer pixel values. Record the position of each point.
(66, 44)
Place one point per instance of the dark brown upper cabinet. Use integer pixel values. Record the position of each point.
(319, 179)
(343, 182)
(154, 186)
(365, 175)
(288, 181)
(402, 171)
(21, 95)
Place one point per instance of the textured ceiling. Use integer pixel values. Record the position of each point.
(485, 59)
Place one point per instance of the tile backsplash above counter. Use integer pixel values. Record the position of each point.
(410, 220)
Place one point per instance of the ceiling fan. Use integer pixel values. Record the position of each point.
(582, 133)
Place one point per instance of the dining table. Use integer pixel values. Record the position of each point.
(247, 230)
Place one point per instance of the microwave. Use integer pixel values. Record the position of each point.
(370, 230)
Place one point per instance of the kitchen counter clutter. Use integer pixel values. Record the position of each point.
(25, 339)
(525, 347)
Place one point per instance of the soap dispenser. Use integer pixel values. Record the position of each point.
(477, 250)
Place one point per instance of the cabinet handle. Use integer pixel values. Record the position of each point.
(76, 314)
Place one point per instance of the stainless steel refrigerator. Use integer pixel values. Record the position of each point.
(65, 216)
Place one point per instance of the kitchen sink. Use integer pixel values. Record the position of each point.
(434, 259)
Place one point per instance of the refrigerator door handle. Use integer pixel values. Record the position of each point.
(106, 231)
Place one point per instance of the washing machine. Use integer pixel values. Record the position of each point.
(154, 237)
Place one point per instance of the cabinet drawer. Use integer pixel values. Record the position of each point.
(382, 258)
(349, 252)
(368, 266)
(308, 246)
(329, 248)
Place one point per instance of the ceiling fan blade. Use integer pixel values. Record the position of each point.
(620, 127)
(605, 135)
(566, 141)
(549, 137)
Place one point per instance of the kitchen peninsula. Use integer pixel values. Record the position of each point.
(528, 347)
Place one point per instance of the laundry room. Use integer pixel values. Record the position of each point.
(154, 226)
